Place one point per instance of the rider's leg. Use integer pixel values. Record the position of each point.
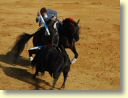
(30, 54)
(32, 51)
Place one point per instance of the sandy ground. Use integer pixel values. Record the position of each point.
(98, 66)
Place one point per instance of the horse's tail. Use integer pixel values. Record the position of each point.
(19, 45)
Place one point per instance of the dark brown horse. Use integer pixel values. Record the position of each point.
(68, 35)
(50, 60)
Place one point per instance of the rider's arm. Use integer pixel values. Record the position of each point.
(51, 13)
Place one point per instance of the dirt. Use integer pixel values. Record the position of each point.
(98, 65)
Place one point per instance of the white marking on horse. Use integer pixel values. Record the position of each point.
(73, 61)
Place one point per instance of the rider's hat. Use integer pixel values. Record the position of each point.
(43, 10)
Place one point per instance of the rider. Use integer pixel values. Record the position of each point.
(43, 17)
(47, 14)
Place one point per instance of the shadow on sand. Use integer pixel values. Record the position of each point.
(20, 73)
(23, 75)
(10, 59)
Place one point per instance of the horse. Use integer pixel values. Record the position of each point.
(68, 35)
(54, 62)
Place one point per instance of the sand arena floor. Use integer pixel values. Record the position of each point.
(98, 65)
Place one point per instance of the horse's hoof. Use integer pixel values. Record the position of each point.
(62, 87)
(51, 88)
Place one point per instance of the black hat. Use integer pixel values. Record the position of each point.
(43, 10)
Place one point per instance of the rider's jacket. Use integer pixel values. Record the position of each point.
(51, 13)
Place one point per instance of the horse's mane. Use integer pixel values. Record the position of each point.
(71, 20)
(71, 28)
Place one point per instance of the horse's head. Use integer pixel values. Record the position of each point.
(71, 29)
(77, 30)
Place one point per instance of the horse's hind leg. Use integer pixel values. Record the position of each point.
(36, 73)
(54, 83)
(65, 74)
(55, 76)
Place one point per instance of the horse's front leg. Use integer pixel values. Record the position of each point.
(75, 54)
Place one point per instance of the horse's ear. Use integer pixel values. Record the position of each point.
(78, 21)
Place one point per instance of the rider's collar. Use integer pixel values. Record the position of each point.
(45, 16)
